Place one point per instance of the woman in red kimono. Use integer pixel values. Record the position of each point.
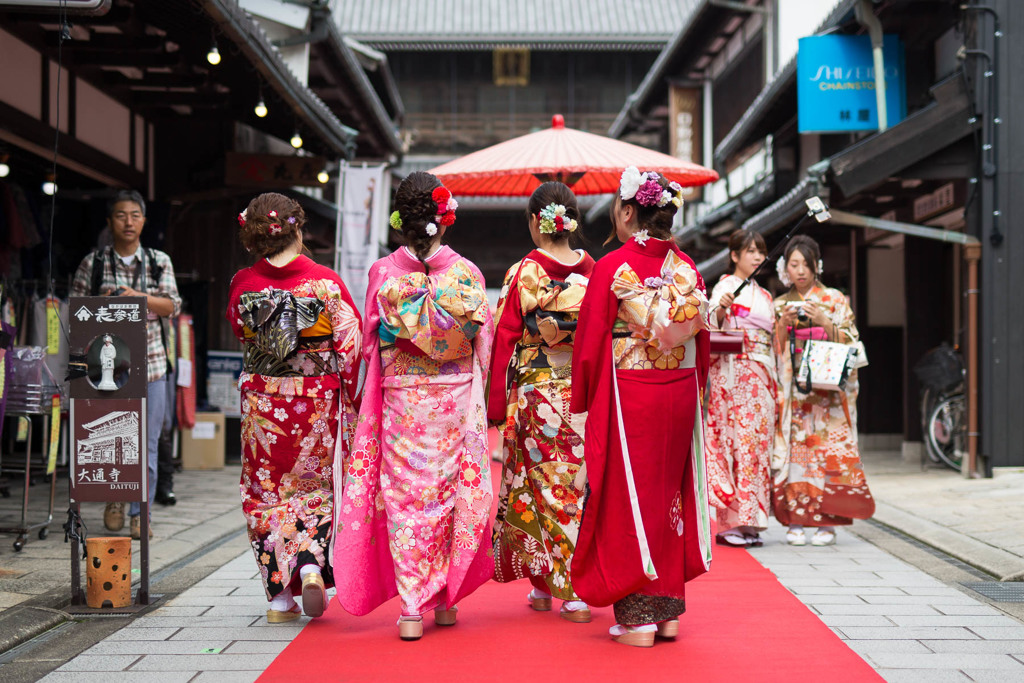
(539, 506)
(641, 358)
(301, 334)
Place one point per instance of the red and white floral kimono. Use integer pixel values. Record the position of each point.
(531, 383)
(741, 410)
(415, 513)
(640, 361)
(819, 477)
(301, 333)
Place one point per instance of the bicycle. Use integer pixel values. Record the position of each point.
(943, 405)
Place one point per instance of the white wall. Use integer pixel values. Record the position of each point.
(798, 19)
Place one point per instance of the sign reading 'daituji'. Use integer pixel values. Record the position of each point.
(109, 457)
(835, 78)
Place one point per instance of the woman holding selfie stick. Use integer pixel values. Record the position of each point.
(819, 479)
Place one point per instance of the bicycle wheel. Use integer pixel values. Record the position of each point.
(928, 397)
(947, 430)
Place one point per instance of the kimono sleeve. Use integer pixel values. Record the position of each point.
(509, 330)
(346, 330)
(234, 299)
(842, 317)
(592, 350)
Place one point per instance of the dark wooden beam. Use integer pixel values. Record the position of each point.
(125, 58)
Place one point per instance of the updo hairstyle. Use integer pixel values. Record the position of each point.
(553, 192)
(656, 220)
(808, 248)
(740, 241)
(416, 207)
(264, 234)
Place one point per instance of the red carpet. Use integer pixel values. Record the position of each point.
(741, 625)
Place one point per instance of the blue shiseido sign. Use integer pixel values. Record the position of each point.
(836, 83)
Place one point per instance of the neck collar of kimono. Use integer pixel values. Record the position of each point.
(297, 266)
(558, 270)
(651, 246)
(444, 257)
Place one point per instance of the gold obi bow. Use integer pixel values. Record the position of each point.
(439, 318)
(666, 311)
(541, 295)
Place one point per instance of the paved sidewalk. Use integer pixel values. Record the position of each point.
(979, 521)
(37, 580)
(907, 624)
(904, 622)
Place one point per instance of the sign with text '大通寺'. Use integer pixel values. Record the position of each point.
(836, 83)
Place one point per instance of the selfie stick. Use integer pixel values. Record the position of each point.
(816, 208)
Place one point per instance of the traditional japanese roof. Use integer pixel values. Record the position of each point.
(485, 24)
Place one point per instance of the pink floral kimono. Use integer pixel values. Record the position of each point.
(414, 516)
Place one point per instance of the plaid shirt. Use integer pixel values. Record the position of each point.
(128, 276)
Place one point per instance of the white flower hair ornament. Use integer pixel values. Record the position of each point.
(630, 182)
(431, 229)
(641, 237)
(780, 269)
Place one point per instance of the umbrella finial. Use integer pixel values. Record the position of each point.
(558, 121)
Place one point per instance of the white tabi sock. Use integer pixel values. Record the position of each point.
(283, 602)
(307, 569)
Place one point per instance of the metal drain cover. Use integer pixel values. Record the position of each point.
(1011, 591)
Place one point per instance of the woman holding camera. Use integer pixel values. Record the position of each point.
(819, 479)
(741, 407)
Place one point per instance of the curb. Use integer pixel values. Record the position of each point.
(1004, 566)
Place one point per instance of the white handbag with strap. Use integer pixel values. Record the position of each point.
(825, 366)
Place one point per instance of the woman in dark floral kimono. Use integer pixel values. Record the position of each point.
(301, 334)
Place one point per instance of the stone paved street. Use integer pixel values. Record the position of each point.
(906, 623)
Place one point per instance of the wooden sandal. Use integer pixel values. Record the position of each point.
(410, 628)
(445, 617)
(668, 628)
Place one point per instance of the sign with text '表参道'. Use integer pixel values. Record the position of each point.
(836, 83)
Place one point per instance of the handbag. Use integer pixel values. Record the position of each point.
(860, 356)
(726, 342)
(823, 365)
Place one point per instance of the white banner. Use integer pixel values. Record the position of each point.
(364, 202)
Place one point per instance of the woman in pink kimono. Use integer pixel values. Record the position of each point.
(415, 514)
(741, 400)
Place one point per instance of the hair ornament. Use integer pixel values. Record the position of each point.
(641, 237)
(780, 270)
(395, 220)
(272, 214)
(274, 229)
(553, 220)
(821, 269)
(292, 220)
(431, 229)
(241, 217)
(446, 206)
(643, 187)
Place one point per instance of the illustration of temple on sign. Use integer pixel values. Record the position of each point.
(113, 440)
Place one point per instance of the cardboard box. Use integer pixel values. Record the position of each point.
(202, 447)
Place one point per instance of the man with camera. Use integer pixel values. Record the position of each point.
(128, 269)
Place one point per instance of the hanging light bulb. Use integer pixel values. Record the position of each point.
(323, 176)
(213, 56)
(296, 140)
(50, 185)
(260, 109)
(5, 170)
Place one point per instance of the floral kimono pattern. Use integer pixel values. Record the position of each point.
(295, 424)
(539, 506)
(819, 478)
(740, 425)
(415, 514)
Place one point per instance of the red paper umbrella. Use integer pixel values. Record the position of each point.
(589, 163)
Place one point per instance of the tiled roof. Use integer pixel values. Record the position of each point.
(489, 22)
